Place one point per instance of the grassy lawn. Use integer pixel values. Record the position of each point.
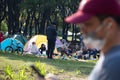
(64, 69)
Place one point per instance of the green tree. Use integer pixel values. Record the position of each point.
(13, 16)
(33, 16)
(2, 11)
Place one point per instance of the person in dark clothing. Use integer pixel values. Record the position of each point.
(42, 48)
(51, 37)
(92, 51)
(84, 53)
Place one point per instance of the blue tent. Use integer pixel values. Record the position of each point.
(21, 38)
(10, 42)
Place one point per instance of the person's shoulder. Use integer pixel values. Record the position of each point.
(113, 55)
(111, 66)
(112, 60)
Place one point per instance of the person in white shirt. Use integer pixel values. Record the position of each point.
(58, 45)
(34, 49)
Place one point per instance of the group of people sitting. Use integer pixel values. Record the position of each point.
(63, 47)
(67, 49)
(37, 51)
(87, 53)
(75, 50)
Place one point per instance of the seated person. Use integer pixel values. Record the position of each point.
(58, 45)
(85, 54)
(42, 48)
(33, 49)
(70, 49)
(66, 49)
(63, 48)
(79, 54)
(93, 52)
(82, 54)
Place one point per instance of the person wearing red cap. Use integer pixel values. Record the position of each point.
(100, 21)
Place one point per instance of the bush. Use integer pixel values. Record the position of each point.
(4, 26)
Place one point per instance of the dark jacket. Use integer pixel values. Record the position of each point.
(51, 32)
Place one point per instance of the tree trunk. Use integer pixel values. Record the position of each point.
(13, 16)
(27, 23)
(2, 11)
(31, 25)
(45, 16)
(73, 31)
(10, 17)
(64, 26)
(16, 15)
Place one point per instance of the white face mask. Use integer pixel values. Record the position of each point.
(93, 41)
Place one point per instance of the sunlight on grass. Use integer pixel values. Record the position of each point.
(66, 68)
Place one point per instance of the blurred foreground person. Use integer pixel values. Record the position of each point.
(100, 21)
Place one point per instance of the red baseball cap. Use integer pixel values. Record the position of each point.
(90, 8)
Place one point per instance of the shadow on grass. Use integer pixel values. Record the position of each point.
(66, 65)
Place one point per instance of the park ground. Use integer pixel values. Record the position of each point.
(64, 69)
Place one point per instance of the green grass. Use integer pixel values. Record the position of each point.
(64, 69)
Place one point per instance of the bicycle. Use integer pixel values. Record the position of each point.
(14, 47)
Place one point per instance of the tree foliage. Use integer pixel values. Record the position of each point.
(2, 10)
(33, 16)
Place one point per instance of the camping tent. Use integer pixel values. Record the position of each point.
(7, 42)
(38, 39)
(21, 38)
